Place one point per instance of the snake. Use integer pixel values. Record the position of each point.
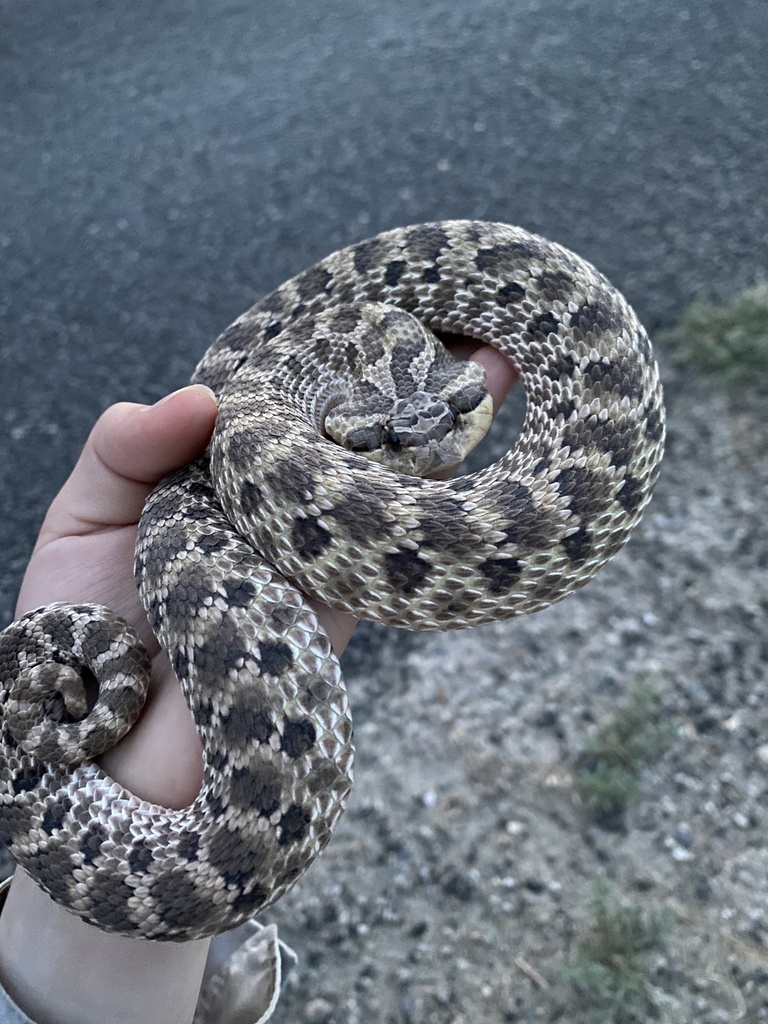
(338, 404)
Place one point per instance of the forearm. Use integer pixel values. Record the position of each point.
(60, 970)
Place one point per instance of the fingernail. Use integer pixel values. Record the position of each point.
(189, 387)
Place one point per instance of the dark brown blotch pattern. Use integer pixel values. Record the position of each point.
(313, 282)
(275, 657)
(55, 815)
(426, 242)
(310, 538)
(91, 842)
(176, 896)
(294, 825)
(299, 737)
(578, 546)
(233, 676)
(235, 854)
(526, 526)
(257, 788)
(501, 574)
(586, 492)
(406, 570)
(251, 717)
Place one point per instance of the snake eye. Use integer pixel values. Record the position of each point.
(365, 439)
(370, 439)
(467, 400)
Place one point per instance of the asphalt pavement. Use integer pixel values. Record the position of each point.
(165, 162)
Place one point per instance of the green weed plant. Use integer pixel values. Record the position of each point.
(610, 970)
(609, 767)
(729, 342)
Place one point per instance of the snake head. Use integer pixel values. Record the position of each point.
(411, 406)
(424, 432)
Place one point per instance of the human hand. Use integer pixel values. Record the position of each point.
(85, 554)
(58, 969)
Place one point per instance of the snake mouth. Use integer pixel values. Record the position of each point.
(424, 433)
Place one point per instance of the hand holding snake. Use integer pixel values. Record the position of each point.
(513, 538)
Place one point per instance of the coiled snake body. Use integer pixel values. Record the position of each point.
(328, 403)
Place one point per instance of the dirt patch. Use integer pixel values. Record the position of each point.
(463, 876)
(462, 879)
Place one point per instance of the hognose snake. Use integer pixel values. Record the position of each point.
(307, 483)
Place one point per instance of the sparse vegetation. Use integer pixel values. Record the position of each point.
(730, 342)
(610, 970)
(609, 766)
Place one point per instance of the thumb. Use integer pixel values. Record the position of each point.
(129, 450)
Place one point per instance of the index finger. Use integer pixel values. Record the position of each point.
(500, 374)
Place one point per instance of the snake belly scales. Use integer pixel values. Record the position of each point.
(301, 493)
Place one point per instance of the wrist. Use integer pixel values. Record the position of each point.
(60, 970)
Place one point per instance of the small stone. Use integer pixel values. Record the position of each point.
(457, 883)
(442, 996)
(547, 717)
(643, 881)
(680, 854)
(318, 1011)
(536, 885)
(683, 836)
(702, 889)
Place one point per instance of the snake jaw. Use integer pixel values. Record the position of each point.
(424, 434)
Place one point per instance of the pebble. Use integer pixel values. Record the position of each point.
(547, 717)
(459, 884)
(318, 1011)
(683, 836)
(680, 854)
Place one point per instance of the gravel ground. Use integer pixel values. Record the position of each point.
(465, 855)
(162, 164)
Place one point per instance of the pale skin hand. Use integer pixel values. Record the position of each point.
(57, 968)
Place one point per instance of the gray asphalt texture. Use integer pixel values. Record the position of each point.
(163, 164)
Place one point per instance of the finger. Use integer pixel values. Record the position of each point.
(130, 449)
(500, 375)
